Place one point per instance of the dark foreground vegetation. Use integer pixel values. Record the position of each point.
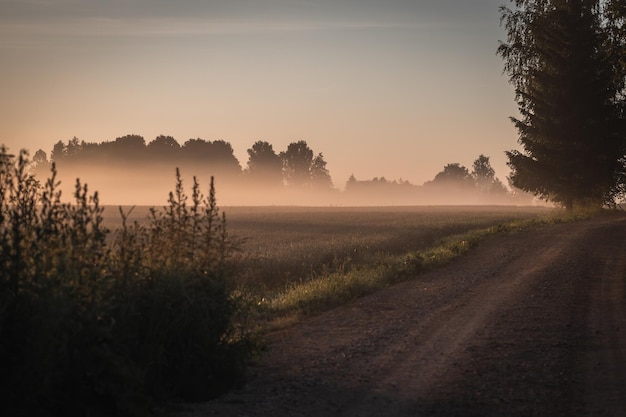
(99, 324)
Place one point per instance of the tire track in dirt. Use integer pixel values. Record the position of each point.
(433, 346)
(527, 324)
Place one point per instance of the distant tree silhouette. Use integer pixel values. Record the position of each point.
(58, 151)
(264, 165)
(302, 169)
(217, 155)
(73, 148)
(131, 152)
(40, 157)
(484, 176)
(129, 147)
(164, 149)
(68, 153)
(320, 177)
(224, 156)
(41, 165)
(196, 149)
(163, 145)
(381, 191)
(453, 175)
(297, 162)
(482, 170)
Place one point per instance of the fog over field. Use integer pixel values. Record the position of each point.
(151, 187)
(129, 170)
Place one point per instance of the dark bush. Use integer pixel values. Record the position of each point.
(94, 323)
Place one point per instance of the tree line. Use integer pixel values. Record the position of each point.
(453, 184)
(298, 166)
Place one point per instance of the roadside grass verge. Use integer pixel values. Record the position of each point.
(326, 291)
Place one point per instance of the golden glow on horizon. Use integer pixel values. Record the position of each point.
(379, 92)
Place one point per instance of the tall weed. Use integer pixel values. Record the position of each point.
(97, 325)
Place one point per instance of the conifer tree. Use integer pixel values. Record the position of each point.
(568, 94)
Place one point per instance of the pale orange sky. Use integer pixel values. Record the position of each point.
(382, 88)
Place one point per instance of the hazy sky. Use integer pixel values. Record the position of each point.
(393, 88)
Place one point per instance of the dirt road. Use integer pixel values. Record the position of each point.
(531, 324)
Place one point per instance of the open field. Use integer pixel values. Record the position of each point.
(285, 246)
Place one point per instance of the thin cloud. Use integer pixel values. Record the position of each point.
(185, 27)
(24, 34)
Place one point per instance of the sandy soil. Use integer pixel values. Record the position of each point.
(532, 324)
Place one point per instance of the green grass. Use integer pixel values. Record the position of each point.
(326, 291)
(296, 261)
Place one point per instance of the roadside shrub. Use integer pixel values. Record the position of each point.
(95, 324)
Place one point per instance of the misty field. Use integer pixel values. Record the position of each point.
(168, 302)
(283, 249)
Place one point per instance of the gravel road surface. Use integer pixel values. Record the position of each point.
(530, 324)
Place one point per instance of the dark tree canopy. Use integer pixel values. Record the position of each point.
(485, 176)
(164, 148)
(453, 175)
(482, 170)
(302, 169)
(297, 160)
(58, 151)
(567, 87)
(297, 167)
(320, 177)
(130, 142)
(40, 157)
(164, 143)
(264, 165)
(216, 155)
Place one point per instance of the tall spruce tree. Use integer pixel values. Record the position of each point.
(567, 89)
(616, 26)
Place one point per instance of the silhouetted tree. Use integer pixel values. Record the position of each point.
(453, 175)
(164, 149)
(213, 156)
(163, 145)
(568, 94)
(196, 149)
(73, 149)
(264, 165)
(40, 157)
(297, 161)
(482, 170)
(616, 27)
(320, 177)
(58, 151)
(351, 181)
(41, 165)
(485, 176)
(129, 146)
(615, 20)
(70, 152)
(381, 191)
(223, 155)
